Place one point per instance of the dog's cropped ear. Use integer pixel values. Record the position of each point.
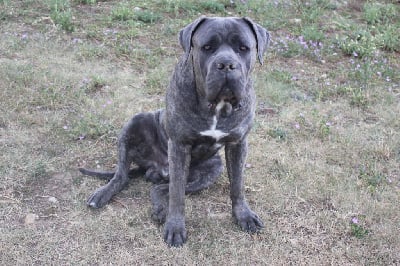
(186, 34)
(262, 37)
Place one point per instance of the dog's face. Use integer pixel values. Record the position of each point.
(224, 52)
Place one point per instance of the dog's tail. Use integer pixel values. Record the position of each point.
(107, 175)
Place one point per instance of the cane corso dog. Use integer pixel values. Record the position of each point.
(210, 104)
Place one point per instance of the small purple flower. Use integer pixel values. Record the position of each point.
(297, 126)
(76, 40)
(314, 44)
(354, 220)
(355, 54)
(65, 127)
(388, 79)
(86, 81)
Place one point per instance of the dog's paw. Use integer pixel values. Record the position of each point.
(175, 232)
(159, 200)
(246, 218)
(153, 176)
(99, 198)
(159, 213)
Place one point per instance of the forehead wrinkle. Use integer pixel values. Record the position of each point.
(217, 29)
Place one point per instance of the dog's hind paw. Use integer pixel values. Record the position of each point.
(159, 199)
(159, 214)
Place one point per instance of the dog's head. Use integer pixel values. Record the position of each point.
(223, 53)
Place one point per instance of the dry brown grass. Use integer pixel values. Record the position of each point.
(325, 148)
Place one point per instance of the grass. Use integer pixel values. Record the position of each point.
(323, 167)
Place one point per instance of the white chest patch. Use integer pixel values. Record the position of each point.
(213, 132)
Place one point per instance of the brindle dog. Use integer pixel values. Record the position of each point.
(210, 104)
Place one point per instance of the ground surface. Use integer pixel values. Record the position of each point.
(323, 170)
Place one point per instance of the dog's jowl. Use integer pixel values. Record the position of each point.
(210, 104)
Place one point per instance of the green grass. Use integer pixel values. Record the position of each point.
(61, 14)
(323, 164)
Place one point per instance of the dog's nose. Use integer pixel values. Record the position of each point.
(226, 65)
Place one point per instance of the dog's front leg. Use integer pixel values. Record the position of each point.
(235, 154)
(179, 161)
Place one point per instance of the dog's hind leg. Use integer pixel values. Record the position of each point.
(103, 194)
(201, 176)
(204, 174)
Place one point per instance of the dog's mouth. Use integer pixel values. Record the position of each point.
(228, 97)
(224, 107)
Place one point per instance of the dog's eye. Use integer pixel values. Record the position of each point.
(207, 47)
(243, 48)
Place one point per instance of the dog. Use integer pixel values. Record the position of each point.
(210, 104)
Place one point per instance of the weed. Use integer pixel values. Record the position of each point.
(372, 13)
(178, 7)
(147, 16)
(277, 133)
(362, 72)
(61, 14)
(39, 170)
(281, 76)
(377, 13)
(381, 31)
(313, 33)
(93, 84)
(356, 229)
(361, 44)
(86, 2)
(122, 13)
(371, 177)
(390, 38)
(358, 97)
(212, 6)
(324, 129)
(193, 7)
(124, 49)
(3, 10)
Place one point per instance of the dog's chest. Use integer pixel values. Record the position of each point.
(213, 132)
(209, 141)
